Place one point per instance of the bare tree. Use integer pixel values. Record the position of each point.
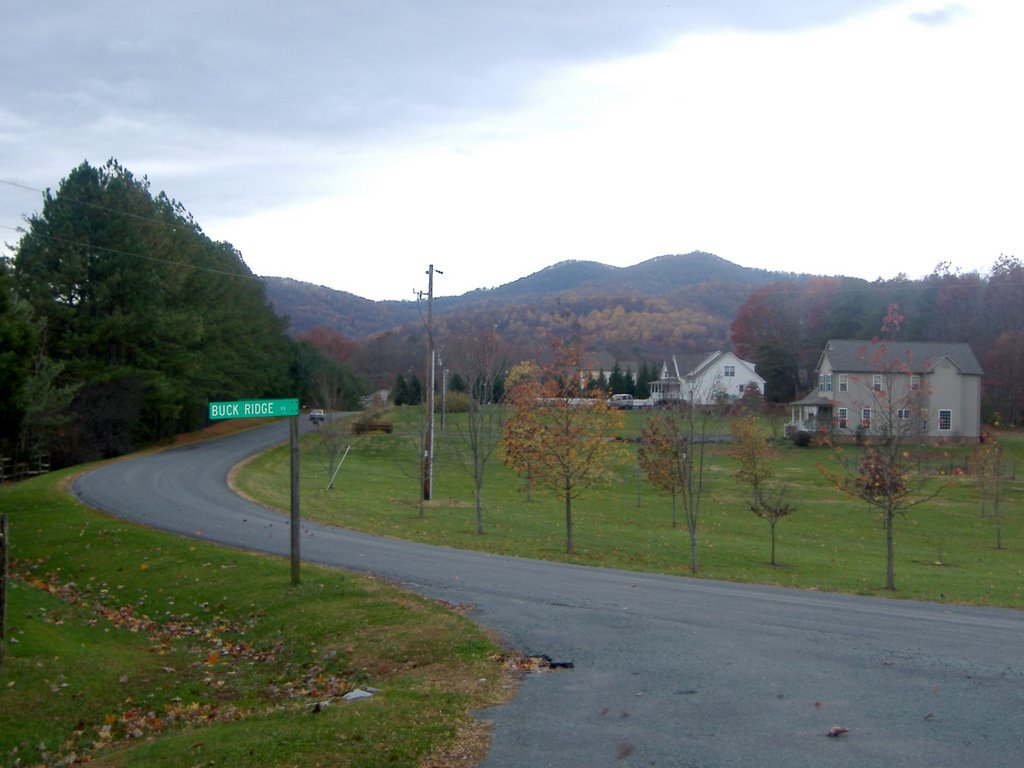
(480, 361)
(330, 438)
(992, 475)
(675, 457)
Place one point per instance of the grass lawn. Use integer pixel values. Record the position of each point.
(131, 647)
(945, 547)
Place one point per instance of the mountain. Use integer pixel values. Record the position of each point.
(669, 304)
(307, 305)
(698, 280)
(658, 276)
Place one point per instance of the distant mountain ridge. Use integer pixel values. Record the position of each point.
(657, 276)
(681, 278)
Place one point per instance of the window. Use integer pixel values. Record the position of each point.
(730, 371)
(844, 382)
(902, 414)
(825, 382)
(876, 382)
(842, 415)
(945, 420)
(915, 382)
(865, 418)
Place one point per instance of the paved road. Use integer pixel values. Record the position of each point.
(668, 671)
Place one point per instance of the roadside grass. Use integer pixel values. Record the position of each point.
(132, 647)
(945, 547)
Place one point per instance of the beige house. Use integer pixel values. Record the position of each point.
(926, 390)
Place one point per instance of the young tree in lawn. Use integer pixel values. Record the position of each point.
(518, 432)
(661, 454)
(675, 458)
(479, 359)
(753, 457)
(559, 435)
(992, 475)
(881, 472)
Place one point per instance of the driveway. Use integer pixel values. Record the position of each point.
(666, 671)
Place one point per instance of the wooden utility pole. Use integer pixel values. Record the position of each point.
(4, 544)
(428, 440)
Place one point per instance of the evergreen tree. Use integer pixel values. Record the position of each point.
(617, 380)
(400, 392)
(18, 340)
(147, 316)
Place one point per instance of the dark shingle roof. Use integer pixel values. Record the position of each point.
(920, 356)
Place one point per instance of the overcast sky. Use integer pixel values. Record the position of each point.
(353, 143)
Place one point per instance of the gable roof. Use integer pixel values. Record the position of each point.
(713, 358)
(703, 365)
(855, 356)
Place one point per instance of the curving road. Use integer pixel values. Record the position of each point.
(668, 671)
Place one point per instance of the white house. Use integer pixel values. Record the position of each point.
(719, 376)
(930, 390)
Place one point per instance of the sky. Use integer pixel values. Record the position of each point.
(354, 143)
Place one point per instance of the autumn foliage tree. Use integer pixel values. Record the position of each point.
(662, 456)
(753, 457)
(882, 472)
(559, 435)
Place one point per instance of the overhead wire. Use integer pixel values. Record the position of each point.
(127, 214)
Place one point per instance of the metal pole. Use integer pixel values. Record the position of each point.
(294, 432)
(444, 387)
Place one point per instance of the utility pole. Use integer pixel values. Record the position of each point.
(428, 440)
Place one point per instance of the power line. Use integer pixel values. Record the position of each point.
(65, 197)
(133, 254)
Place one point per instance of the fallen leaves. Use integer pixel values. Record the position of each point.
(540, 663)
(215, 644)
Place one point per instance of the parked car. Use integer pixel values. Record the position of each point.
(317, 416)
(621, 401)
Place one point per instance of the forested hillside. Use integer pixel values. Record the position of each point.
(121, 320)
(692, 304)
(674, 304)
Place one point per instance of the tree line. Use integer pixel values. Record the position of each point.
(120, 320)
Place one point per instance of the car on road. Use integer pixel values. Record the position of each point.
(317, 416)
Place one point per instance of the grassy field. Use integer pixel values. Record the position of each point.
(130, 647)
(945, 548)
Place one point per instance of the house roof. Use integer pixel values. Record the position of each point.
(856, 356)
(713, 358)
(814, 399)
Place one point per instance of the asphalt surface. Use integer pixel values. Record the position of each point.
(666, 671)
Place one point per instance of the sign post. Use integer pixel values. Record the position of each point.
(258, 409)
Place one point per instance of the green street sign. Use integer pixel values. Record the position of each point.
(254, 409)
